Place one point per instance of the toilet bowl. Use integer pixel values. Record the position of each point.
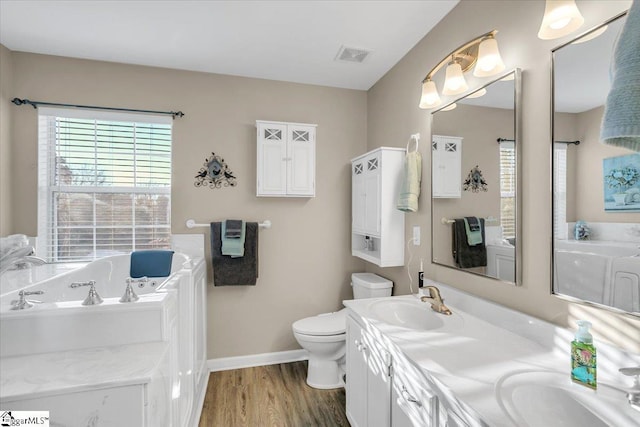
(324, 336)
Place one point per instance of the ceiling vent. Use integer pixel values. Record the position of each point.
(352, 54)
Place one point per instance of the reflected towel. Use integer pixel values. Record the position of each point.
(466, 256)
(410, 189)
(229, 271)
(233, 228)
(233, 247)
(151, 263)
(621, 120)
(473, 230)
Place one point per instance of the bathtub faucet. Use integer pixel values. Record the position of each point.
(93, 298)
(23, 302)
(19, 262)
(437, 303)
(129, 294)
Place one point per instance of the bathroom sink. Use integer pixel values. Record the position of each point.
(544, 398)
(411, 315)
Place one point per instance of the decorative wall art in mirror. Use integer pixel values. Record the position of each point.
(475, 208)
(215, 173)
(596, 187)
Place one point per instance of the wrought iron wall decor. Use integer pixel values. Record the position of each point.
(215, 173)
(475, 181)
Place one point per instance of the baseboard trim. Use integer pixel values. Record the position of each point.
(263, 359)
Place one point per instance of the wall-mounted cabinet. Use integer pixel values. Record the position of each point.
(286, 164)
(446, 161)
(377, 228)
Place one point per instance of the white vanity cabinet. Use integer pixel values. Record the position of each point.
(377, 228)
(368, 384)
(446, 166)
(286, 162)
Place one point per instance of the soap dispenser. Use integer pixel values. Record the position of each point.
(583, 356)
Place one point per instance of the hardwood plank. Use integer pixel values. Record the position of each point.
(275, 395)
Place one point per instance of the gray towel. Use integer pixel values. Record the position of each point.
(233, 229)
(464, 255)
(621, 120)
(229, 271)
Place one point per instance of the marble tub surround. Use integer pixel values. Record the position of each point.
(483, 346)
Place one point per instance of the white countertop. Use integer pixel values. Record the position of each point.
(468, 357)
(45, 374)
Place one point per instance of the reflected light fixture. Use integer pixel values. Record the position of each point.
(561, 17)
(592, 35)
(481, 52)
(478, 93)
(450, 107)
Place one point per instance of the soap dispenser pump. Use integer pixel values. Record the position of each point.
(583, 356)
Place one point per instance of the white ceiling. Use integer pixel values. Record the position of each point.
(294, 41)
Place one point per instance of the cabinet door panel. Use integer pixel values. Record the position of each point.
(356, 385)
(446, 166)
(358, 196)
(372, 204)
(272, 159)
(301, 161)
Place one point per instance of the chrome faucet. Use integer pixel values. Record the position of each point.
(23, 303)
(633, 395)
(93, 298)
(129, 294)
(437, 303)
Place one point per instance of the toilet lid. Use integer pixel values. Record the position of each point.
(323, 324)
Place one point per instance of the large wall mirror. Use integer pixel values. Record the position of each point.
(596, 187)
(474, 196)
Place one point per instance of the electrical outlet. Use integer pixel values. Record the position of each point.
(416, 235)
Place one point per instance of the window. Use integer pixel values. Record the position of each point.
(104, 183)
(560, 229)
(508, 189)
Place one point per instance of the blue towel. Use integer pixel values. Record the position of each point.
(621, 121)
(233, 247)
(410, 190)
(151, 263)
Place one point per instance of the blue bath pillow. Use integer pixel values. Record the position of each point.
(151, 263)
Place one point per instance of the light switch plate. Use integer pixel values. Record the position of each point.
(416, 235)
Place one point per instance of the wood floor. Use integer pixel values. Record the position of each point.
(275, 395)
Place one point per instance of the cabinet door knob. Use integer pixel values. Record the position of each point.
(409, 398)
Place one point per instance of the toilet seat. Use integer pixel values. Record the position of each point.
(323, 324)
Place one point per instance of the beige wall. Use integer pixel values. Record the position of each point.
(393, 115)
(305, 259)
(6, 75)
(480, 127)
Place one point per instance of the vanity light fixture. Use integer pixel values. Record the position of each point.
(561, 17)
(481, 52)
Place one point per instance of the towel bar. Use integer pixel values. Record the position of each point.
(192, 224)
(446, 221)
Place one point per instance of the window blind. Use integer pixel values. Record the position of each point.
(560, 229)
(104, 183)
(508, 189)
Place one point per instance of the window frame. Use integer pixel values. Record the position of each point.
(47, 240)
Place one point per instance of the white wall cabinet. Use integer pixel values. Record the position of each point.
(375, 180)
(286, 163)
(446, 166)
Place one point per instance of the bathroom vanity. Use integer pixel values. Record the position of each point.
(483, 365)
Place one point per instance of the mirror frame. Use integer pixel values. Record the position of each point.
(553, 125)
(517, 135)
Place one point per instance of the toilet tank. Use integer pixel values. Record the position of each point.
(369, 285)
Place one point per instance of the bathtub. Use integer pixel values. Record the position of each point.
(599, 271)
(166, 325)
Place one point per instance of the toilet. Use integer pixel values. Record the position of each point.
(324, 335)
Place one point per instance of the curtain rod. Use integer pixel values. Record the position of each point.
(35, 104)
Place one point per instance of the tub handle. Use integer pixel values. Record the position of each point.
(23, 303)
(78, 284)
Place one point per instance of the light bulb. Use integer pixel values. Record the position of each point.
(489, 59)
(561, 17)
(454, 82)
(430, 97)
